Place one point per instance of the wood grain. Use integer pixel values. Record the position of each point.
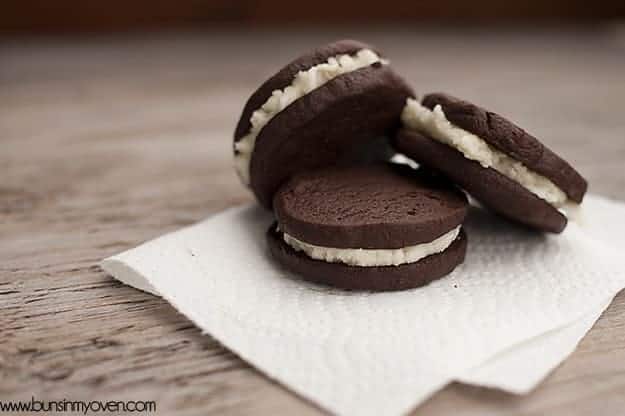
(108, 142)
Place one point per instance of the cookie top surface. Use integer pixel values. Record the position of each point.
(378, 206)
(511, 140)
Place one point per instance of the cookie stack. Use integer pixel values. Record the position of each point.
(313, 144)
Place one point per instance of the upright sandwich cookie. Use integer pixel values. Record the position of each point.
(378, 227)
(497, 162)
(314, 112)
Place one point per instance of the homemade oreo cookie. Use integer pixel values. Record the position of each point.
(378, 228)
(314, 112)
(501, 165)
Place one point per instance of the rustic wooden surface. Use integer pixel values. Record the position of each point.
(108, 142)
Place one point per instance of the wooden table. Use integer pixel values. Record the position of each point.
(106, 142)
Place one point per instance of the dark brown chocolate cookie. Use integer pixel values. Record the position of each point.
(285, 76)
(488, 186)
(386, 278)
(511, 140)
(325, 126)
(368, 207)
(376, 207)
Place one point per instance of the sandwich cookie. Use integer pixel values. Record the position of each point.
(501, 165)
(378, 227)
(315, 112)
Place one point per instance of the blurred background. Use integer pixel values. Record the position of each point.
(71, 16)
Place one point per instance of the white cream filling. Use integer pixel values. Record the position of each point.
(303, 83)
(435, 124)
(373, 257)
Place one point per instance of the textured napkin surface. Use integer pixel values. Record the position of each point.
(520, 368)
(517, 293)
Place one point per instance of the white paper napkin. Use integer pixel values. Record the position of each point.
(363, 353)
(520, 368)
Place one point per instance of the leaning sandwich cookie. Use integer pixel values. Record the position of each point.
(379, 227)
(498, 163)
(314, 112)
